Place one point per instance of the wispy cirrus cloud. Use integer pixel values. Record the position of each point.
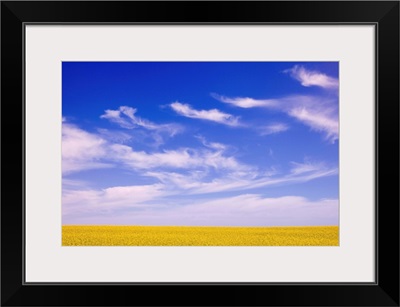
(235, 180)
(115, 135)
(306, 167)
(74, 183)
(320, 114)
(312, 78)
(147, 200)
(182, 158)
(110, 207)
(213, 145)
(185, 170)
(213, 115)
(109, 202)
(82, 150)
(273, 128)
(112, 196)
(325, 121)
(126, 117)
(246, 102)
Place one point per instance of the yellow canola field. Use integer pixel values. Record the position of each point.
(199, 236)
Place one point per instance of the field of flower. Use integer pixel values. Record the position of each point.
(199, 236)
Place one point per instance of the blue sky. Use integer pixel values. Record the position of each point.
(200, 143)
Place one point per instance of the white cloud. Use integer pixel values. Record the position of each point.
(81, 150)
(213, 115)
(312, 78)
(183, 158)
(246, 102)
(74, 183)
(306, 167)
(79, 143)
(184, 170)
(176, 173)
(319, 120)
(183, 173)
(92, 201)
(212, 145)
(179, 181)
(72, 166)
(240, 210)
(238, 180)
(319, 114)
(114, 135)
(229, 183)
(135, 194)
(199, 182)
(126, 118)
(274, 128)
(259, 211)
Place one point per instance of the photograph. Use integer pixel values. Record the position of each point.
(246, 147)
(200, 153)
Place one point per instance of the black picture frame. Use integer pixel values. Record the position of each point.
(383, 14)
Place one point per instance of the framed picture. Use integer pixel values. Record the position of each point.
(241, 147)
